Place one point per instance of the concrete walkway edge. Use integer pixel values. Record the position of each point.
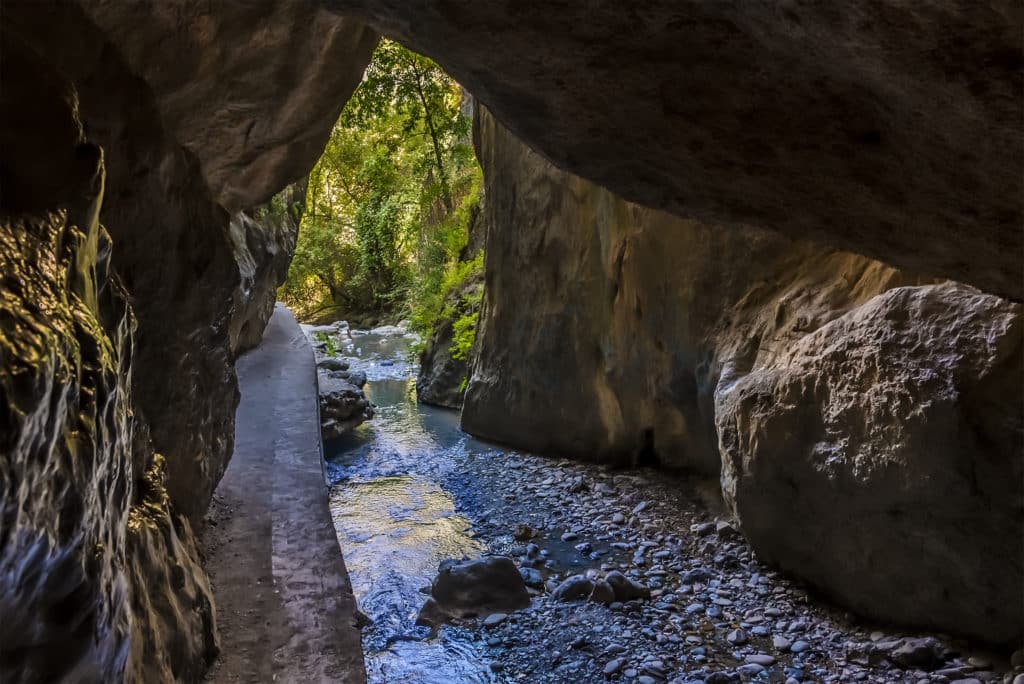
(284, 600)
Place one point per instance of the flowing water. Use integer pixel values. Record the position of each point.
(392, 482)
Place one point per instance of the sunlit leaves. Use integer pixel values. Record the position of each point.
(384, 198)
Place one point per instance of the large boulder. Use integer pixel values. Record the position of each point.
(887, 128)
(882, 459)
(343, 405)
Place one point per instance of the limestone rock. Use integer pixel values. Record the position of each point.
(629, 315)
(479, 587)
(634, 320)
(881, 459)
(442, 378)
(187, 140)
(263, 245)
(252, 90)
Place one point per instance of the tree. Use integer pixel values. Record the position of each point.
(384, 212)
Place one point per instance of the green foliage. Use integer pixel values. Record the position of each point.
(464, 334)
(390, 201)
(331, 347)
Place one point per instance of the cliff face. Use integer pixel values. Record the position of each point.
(621, 333)
(886, 128)
(100, 578)
(119, 386)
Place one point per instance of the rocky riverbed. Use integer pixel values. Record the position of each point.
(411, 490)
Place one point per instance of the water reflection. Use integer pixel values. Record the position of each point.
(396, 522)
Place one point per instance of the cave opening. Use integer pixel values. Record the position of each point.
(140, 258)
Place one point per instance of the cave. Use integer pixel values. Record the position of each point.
(818, 205)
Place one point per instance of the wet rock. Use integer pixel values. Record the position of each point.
(531, 577)
(431, 614)
(471, 588)
(573, 588)
(343, 405)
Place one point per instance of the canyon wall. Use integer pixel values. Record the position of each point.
(870, 424)
(134, 135)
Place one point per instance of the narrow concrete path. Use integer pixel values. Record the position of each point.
(285, 608)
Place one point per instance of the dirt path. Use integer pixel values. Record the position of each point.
(285, 608)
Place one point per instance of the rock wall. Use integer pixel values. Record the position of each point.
(886, 128)
(99, 576)
(119, 387)
(839, 392)
(263, 245)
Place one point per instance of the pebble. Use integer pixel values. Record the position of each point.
(762, 659)
(611, 667)
(737, 637)
(494, 619)
(799, 647)
(781, 643)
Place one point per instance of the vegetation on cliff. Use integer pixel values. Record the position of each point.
(389, 202)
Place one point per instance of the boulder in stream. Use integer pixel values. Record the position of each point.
(479, 587)
(342, 406)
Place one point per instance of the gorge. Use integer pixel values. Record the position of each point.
(779, 246)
